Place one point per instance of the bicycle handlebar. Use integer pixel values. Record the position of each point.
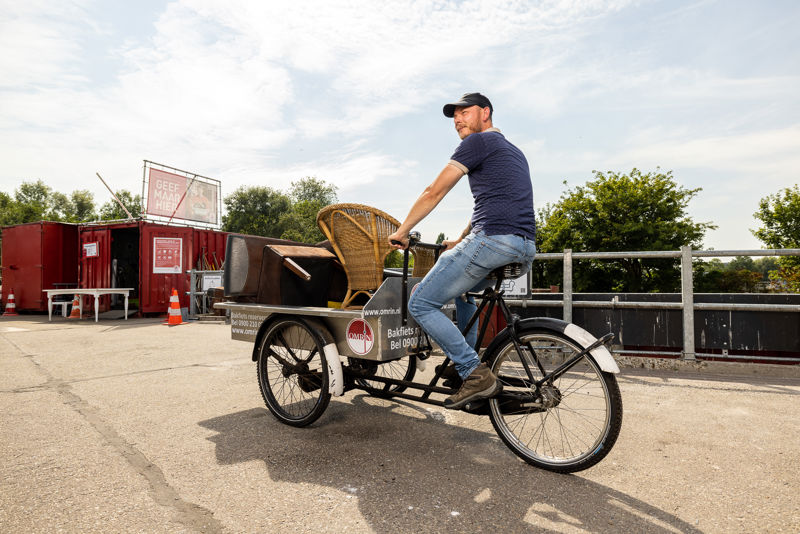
(432, 246)
(414, 241)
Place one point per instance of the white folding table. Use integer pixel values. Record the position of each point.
(95, 292)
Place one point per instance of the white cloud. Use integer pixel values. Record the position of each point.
(766, 153)
(236, 90)
(37, 43)
(219, 87)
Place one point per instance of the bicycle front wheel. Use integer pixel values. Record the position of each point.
(565, 425)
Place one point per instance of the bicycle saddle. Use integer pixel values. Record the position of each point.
(511, 270)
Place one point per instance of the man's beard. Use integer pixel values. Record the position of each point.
(469, 129)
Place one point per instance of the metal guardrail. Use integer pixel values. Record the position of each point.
(687, 303)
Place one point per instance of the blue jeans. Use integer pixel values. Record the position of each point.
(460, 270)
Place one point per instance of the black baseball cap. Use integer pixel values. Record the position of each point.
(469, 99)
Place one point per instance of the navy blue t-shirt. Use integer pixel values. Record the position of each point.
(500, 182)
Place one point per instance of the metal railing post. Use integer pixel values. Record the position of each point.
(687, 302)
(567, 285)
(192, 282)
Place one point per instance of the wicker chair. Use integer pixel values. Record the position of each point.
(359, 235)
(424, 258)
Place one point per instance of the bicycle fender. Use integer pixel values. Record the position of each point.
(335, 375)
(600, 354)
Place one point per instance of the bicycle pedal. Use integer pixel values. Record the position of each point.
(477, 407)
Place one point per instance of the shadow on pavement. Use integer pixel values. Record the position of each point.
(414, 472)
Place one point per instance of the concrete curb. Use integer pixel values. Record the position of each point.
(707, 367)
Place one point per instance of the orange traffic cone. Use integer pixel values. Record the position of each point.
(11, 305)
(76, 311)
(174, 310)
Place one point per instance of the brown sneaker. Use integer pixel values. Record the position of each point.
(480, 384)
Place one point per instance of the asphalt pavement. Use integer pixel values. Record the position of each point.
(133, 426)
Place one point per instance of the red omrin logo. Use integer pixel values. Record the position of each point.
(359, 336)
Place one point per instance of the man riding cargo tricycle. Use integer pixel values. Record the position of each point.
(559, 407)
(548, 386)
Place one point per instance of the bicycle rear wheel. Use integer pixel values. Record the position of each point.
(292, 372)
(566, 425)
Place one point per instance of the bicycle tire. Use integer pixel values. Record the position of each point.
(292, 372)
(578, 417)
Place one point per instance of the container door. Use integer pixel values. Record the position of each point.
(165, 260)
(95, 263)
(60, 250)
(22, 266)
(125, 264)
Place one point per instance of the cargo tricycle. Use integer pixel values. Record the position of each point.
(559, 409)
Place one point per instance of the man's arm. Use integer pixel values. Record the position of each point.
(429, 199)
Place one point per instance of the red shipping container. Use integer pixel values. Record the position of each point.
(152, 258)
(38, 256)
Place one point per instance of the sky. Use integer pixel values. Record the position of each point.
(266, 93)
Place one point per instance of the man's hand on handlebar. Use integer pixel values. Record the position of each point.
(399, 240)
(448, 244)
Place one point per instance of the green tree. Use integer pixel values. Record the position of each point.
(111, 211)
(395, 260)
(59, 208)
(32, 199)
(622, 212)
(765, 265)
(732, 277)
(82, 202)
(78, 207)
(256, 210)
(35, 201)
(440, 238)
(312, 189)
(308, 195)
(300, 223)
(786, 279)
(9, 212)
(780, 217)
(779, 214)
(265, 211)
(741, 262)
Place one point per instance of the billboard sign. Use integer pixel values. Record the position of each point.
(176, 196)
